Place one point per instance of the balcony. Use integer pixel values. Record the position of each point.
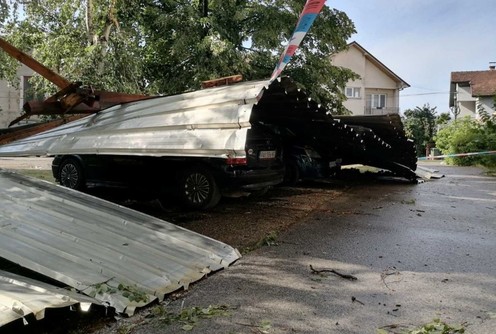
(381, 111)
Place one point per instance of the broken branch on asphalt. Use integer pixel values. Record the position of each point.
(353, 300)
(388, 272)
(345, 276)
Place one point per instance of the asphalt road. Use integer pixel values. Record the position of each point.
(419, 252)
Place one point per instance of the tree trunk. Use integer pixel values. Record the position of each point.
(96, 39)
(204, 8)
(89, 21)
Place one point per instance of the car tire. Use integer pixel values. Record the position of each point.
(71, 174)
(198, 189)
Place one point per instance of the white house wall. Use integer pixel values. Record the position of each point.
(356, 105)
(464, 93)
(9, 103)
(487, 103)
(353, 59)
(378, 83)
(11, 98)
(373, 80)
(465, 102)
(466, 108)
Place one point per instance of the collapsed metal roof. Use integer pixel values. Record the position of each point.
(388, 128)
(211, 122)
(121, 257)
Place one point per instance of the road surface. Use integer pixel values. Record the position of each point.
(419, 252)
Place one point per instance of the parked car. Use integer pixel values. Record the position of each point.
(199, 182)
(302, 162)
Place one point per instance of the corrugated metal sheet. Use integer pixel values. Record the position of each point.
(211, 122)
(21, 296)
(121, 257)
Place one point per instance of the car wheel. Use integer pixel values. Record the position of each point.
(71, 174)
(198, 189)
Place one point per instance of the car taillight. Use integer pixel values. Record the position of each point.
(236, 161)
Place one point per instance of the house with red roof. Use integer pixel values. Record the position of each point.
(472, 90)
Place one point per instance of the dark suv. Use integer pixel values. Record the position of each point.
(199, 182)
(302, 162)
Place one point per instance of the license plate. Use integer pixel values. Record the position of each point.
(267, 154)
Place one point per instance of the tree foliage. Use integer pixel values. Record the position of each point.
(443, 119)
(420, 125)
(82, 41)
(468, 135)
(170, 46)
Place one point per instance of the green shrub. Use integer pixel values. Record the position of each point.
(467, 135)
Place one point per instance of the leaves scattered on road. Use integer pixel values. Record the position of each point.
(436, 326)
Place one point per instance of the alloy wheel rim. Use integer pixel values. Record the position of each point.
(69, 176)
(197, 188)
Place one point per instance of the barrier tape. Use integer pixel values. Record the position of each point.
(307, 17)
(456, 155)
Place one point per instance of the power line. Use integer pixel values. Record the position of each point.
(419, 94)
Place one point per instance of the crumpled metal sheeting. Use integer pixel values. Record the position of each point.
(389, 128)
(21, 296)
(210, 123)
(85, 242)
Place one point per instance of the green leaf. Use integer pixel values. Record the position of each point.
(265, 326)
(491, 315)
(187, 327)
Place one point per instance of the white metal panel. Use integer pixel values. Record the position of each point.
(210, 122)
(21, 296)
(85, 242)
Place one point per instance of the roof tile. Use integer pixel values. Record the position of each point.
(483, 83)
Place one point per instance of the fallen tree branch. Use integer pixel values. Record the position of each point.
(353, 299)
(345, 276)
(389, 272)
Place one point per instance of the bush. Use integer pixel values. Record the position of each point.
(467, 135)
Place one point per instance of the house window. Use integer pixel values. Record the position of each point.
(353, 92)
(378, 101)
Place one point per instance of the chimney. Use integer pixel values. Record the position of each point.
(492, 65)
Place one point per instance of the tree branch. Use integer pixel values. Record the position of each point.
(350, 277)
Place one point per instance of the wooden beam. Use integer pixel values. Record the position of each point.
(34, 65)
(222, 81)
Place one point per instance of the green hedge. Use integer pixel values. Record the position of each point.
(468, 135)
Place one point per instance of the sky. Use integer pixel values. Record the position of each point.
(423, 41)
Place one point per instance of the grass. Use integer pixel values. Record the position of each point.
(491, 171)
(38, 173)
(269, 240)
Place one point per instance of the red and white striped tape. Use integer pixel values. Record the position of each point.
(457, 155)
